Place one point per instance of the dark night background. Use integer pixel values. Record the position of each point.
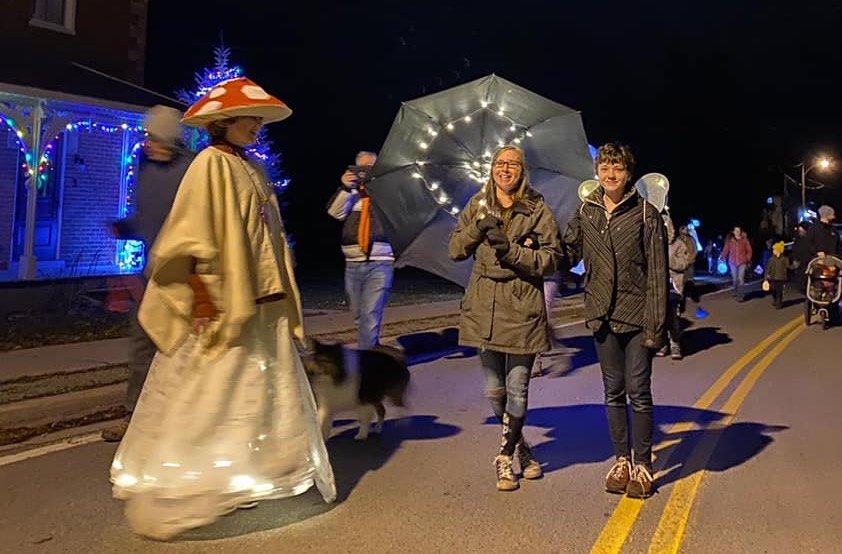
(721, 96)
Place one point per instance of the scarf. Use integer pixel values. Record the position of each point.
(364, 229)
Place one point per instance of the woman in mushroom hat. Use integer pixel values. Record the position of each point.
(226, 417)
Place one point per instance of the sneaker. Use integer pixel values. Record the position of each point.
(618, 477)
(115, 433)
(530, 468)
(506, 478)
(640, 484)
(675, 351)
(664, 351)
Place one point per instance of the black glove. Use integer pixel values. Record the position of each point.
(488, 222)
(530, 241)
(498, 240)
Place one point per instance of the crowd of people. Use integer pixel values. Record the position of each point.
(220, 412)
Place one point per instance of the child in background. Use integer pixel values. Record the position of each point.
(776, 274)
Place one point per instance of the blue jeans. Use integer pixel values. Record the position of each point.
(367, 285)
(507, 387)
(738, 276)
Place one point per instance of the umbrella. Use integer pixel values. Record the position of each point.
(438, 154)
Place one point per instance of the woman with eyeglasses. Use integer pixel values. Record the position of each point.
(512, 235)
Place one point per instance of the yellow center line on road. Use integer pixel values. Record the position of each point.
(619, 525)
(673, 524)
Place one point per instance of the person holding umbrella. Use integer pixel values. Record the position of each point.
(512, 235)
(621, 239)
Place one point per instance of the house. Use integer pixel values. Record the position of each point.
(70, 115)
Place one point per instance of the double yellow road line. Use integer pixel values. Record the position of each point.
(673, 523)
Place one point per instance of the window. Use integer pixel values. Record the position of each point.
(56, 15)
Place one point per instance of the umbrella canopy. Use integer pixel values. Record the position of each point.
(438, 154)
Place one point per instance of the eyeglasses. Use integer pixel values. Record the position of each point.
(499, 164)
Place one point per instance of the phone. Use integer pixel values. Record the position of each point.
(361, 172)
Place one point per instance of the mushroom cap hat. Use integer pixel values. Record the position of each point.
(239, 97)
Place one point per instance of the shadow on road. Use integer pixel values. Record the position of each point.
(351, 460)
(579, 435)
(695, 340)
(792, 302)
(732, 446)
(428, 346)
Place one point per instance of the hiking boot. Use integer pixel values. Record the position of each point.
(617, 480)
(530, 468)
(115, 433)
(506, 478)
(640, 484)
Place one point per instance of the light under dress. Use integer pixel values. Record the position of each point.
(208, 436)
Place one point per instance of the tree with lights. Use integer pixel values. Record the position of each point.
(197, 139)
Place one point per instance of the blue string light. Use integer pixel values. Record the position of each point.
(131, 255)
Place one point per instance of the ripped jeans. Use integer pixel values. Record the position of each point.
(507, 388)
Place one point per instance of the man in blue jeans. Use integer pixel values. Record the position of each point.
(369, 259)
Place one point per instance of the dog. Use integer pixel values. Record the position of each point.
(345, 379)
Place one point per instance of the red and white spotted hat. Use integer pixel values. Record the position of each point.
(235, 98)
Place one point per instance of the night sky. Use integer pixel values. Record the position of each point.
(721, 96)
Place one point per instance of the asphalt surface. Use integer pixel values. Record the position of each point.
(748, 441)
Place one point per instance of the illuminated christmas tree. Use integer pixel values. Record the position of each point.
(197, 139)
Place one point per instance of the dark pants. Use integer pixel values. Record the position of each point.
(507, 387)
(675, 307)
(777, 290)
(141, 352)
(627, 370)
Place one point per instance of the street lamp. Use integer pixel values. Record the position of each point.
(821, 163)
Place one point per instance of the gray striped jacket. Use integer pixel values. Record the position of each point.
(625, 256)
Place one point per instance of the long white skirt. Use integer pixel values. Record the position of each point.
(208, 437)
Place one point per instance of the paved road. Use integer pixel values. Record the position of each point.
(749, 438)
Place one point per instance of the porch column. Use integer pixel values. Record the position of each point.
(27, 267)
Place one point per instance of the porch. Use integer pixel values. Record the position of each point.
(67, 170)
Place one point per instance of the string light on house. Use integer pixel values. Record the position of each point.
(130, 254)
(92, 126)
(27, 157)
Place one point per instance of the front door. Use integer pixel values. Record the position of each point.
(49, 179)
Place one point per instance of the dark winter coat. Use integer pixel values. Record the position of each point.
(503, 308)
(822, 237)
(625, 255)
(157, 183)
(801, 251)
(777, 268)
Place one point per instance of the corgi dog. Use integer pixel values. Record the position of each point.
(345, 379)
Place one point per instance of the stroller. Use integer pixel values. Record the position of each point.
(824, 287)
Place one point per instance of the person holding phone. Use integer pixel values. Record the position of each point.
(369, 259)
